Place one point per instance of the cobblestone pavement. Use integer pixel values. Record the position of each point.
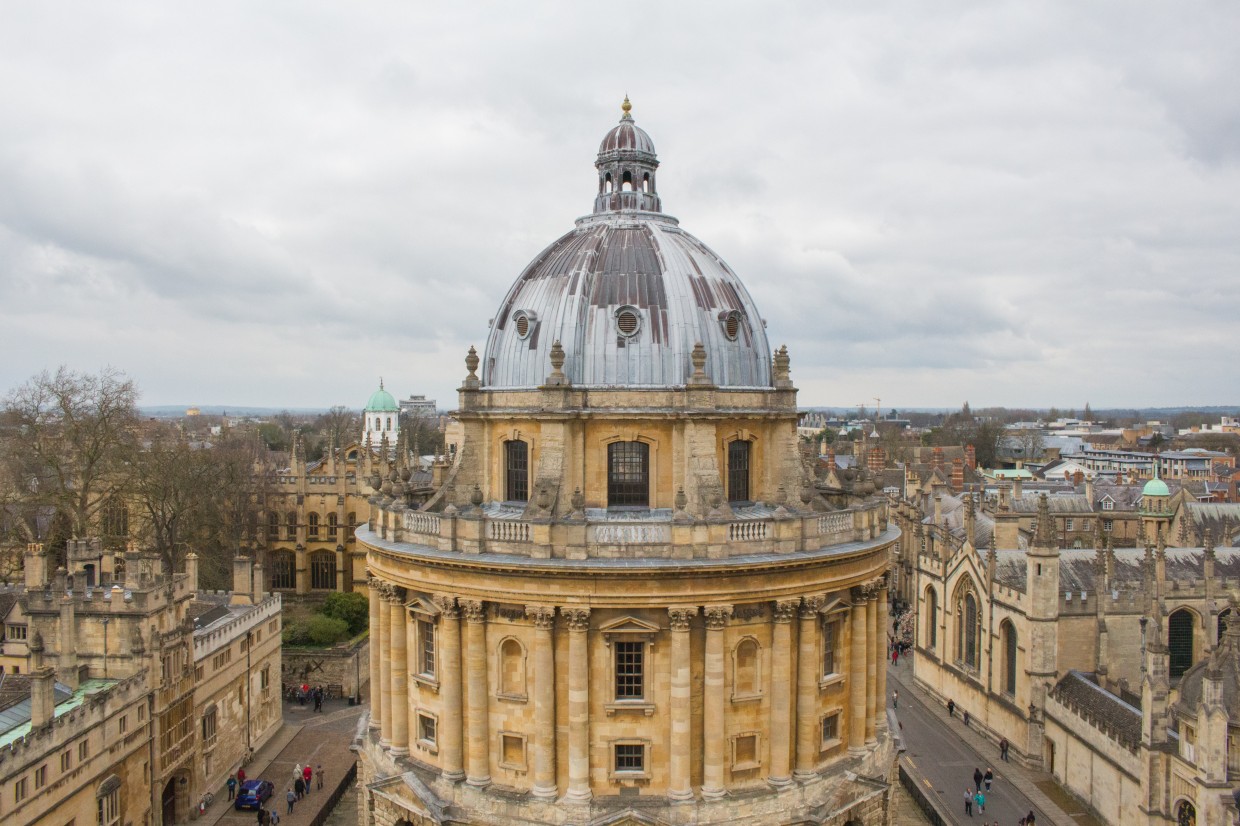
(320, 739)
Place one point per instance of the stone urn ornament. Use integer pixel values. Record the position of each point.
(475, 496)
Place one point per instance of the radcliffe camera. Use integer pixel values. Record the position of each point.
(390, 435)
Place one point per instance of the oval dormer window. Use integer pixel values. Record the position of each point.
(628, 321)
(523, 321)
(730, 320)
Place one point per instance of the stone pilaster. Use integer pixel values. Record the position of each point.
(871, 665)
(376, 677)
(451, 734)
(578, 704)
(385, 669)
(856, 671)
(544, 700)
(680, 705)
(881, 643)
(400, 675)
(809, 733)
(781, 692)
(713, 706)
(478, 764)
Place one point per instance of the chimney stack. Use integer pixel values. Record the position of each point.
(970, 457)
(42, 685)
(957, 474)
(242, 581)
(258, 582)
(36, 566)
(191, 571)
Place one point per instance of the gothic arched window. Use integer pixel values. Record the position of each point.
(282, 570)
(968, 626)
(1007, 634)
(323, 570)
(290, 525)
(312, 526)
(1180, 641)
(931, 638)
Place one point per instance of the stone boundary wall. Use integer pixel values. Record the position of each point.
(341, 665)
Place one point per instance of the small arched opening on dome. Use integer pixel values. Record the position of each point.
(626, 184)
(628, 321)
(646, 183)
(730, 321)
(523, 322)
(608, 184)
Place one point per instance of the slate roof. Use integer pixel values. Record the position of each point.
(1078, 568)
(1119, 720)
(1221, 519)
(1058, 503)
(953, 513)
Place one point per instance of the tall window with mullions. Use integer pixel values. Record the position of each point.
(738, 471)
(628, 474)
(516, 471)
(630, 670)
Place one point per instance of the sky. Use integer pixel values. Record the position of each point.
(275, 204)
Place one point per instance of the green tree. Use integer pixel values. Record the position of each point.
(353, 608)
(325, 630)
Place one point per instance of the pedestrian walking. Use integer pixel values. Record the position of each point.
(980, 800)
(232, 786)
(240, 776)
(273, 818)
(951, 708)
(299, 788)
(318, 775)
(305, 776)
(977, 779)
(1030, 820)
(895, 699)
(318, 699)
(263, 818)
(895, 655)
(989, 777)
(297, 771)
(1003, 749)
(968, 802)
(965, 716)
(291, 798)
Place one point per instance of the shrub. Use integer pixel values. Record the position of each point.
(353, 608)
(295, 633)
(325, 630)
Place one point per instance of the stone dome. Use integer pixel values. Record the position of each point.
(628, 294)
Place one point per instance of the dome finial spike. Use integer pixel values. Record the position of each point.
(381, 382)
(626, 107)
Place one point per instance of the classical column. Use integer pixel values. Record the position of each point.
(809, 731)
(400, 675)
(385, 669)
(871, 665)
(578, 704)
(856, 672)
(478, 765)
(544, 700)
(712, 702)
(450, 733)
(376, 678)
(678, 787)
(880, 691)
(781, 692)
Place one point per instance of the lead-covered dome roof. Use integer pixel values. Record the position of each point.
(628, 294)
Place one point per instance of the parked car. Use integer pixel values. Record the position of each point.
(253, 793)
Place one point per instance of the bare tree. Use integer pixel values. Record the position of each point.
(339, 425)
(67, 440)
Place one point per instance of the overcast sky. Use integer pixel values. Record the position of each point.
(1013, 203)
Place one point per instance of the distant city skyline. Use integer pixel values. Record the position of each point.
(275, 206)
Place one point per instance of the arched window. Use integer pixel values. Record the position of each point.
(1007, 635)
(627, 185)
(967, 628)
(1185, 814)
(115, 523)
(646, 183)
(516, 471)
(1180, 641)
(1224, 617)
(282, 570)
(609, 185)
(628, 474)
(351, 526)
(290, 525)
(312, 525)
(745, 668)
(931, 639)
(323, 570)
(332, 525)
(273, 527)
(738, 471)
(511, 668)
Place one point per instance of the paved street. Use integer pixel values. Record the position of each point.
(945, 753)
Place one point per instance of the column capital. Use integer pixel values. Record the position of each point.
(811, 605)
(474, 610)
(717, 616)
(681, 616)
(446, 603)
(859, 593)
(578, 618)
(396, 595)
(785, 609)
(543, 616)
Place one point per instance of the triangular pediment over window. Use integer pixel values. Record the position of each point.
(629, 628)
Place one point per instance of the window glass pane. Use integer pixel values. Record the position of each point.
(629, 670)
(738, 471)
(516, 471)
(629, 757)
(628, 474)
(426, 637)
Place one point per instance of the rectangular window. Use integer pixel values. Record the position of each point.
(516, 471)
(630, 671)
(19, 791)
(15, 632)
(208, 728)
(512, 751)
(426, 729)
(122, 725)
(828, 648)
(110, 808)
(426, 648)
(141, 713)
(738, 471)
(264, 677)
(40, 776)
(66, 760)
(628, 474)
(1067, 524)
(830, 729)
(1107, 524)
(630, 758)
(745, 752)
(83, 750)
